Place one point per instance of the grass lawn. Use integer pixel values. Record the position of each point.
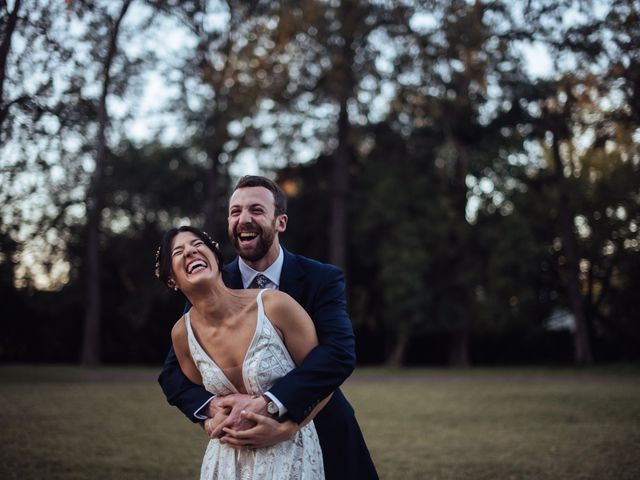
(113, 423)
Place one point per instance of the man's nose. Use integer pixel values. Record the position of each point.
(245, 217)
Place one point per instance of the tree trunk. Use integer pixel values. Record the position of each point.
(460, 265)
(5, 48)
(396, 358)
(582, 347)
(338, 236)
(211, 198)
(90, 354)
(459, 348)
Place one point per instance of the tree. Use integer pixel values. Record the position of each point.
(90, 354)
(9, 26)
(454, 75)
(576, 109)
(332, 50)
(31, 131)
(396, 234)
(236, 64)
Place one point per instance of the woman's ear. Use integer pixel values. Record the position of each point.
(172, 284)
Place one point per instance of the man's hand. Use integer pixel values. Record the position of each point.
(265, 433)
(234, 404)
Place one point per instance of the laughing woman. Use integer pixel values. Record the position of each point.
(238, 341)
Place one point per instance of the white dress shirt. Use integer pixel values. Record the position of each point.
(272, 272)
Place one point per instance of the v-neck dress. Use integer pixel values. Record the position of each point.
(267, 359)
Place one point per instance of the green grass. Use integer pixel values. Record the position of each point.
(73, 423)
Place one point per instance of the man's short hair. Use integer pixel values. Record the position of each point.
(279, 199)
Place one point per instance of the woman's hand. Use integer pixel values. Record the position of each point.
(265, 433)
(235, 403)
(211, 424)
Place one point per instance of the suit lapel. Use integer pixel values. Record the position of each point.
(231, 275)
(291, 276)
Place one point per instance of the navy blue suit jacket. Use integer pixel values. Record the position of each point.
(320, 289)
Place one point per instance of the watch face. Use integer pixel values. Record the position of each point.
(272, 408)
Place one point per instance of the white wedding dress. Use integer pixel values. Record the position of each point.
(266, 360)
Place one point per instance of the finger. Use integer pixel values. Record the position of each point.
(246, 435)
(236, 443)
(242, 435)
(207, 425)
(217, 432)
(254, 417)
(223, 402)
(218, 429)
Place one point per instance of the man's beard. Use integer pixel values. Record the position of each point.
(265, 240)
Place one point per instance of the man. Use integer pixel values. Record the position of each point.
(257, 215)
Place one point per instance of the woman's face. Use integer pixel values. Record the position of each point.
(192, 262)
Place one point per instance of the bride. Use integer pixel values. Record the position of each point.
(238, 341)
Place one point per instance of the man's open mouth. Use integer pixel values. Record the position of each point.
(247, 236)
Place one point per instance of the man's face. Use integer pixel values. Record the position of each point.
(253, 225)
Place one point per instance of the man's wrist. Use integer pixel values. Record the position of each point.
(272, 409)
(282, 410)
(202, 413)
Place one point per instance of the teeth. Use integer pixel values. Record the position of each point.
(195, 265)
(248, 235)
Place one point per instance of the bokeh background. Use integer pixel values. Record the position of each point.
(473, 166)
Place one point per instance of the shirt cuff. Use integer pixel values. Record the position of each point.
(282, 410)
(197, 413)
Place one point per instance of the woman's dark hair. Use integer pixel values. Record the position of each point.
(163, 255)
(279, 198)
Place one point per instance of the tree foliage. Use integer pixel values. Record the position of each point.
(471, 201)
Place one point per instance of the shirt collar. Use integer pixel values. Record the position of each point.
(273, 272)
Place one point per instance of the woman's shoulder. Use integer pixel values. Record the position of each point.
(179, 330)
(280, 306)
(276, 299)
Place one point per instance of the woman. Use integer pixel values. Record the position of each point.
(238, 341)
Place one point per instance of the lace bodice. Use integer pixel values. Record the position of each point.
(267, 359)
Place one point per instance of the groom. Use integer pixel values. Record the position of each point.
(257, 215)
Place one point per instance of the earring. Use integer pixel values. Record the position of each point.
(175, 288)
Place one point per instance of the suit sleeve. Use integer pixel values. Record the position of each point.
(330, 363)
(179, 390)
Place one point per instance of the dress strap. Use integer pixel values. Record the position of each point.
(187, 322)
(260, 303)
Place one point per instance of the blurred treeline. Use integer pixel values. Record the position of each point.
(473, 166)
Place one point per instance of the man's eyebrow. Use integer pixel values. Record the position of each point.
(253, 205)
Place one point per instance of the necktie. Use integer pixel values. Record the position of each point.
(259, 281)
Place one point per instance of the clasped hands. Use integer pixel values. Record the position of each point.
(241, 421)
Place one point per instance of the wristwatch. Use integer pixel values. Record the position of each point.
(272, 408)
